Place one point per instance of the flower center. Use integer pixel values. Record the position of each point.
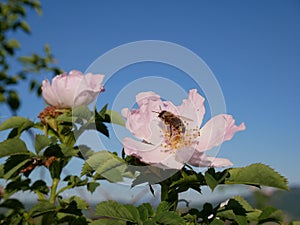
(179, 137)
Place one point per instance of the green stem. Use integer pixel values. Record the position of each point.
(40, 195)
(63, 189)
(53, 190)
(169, 195)
(164, 191)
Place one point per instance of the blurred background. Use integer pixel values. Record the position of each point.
(252, 48)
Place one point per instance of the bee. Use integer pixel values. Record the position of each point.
(176, 125)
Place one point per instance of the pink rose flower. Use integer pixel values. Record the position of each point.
(172, 144)
(74, 89)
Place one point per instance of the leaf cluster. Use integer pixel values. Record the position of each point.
(13, 19)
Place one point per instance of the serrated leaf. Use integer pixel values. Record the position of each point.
(81, 204)
(227, 214)
(241, 220)
(82, 112)
(101, 127)
(13, 147)
(145, 210)
(115, 117)
(169, 218)
(12, 204)
(210, 181)
(107, 222)
(163, 207)
(103, 111)
(243, 203)
(75, 181)
(17, 122)
(217, 222)
(41, 208)
(15, 169)
(86, 169)
(270, 214)
(40, 142)
(91, 186)
(257, 174)
(115, 210)
(108, 165)
(16, 185)
(40, 186)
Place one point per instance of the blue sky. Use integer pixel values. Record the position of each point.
(252, 47)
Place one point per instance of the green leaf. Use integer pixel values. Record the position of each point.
(243, 203)
(82, 112)
(91, 186)
(241, 220)
(227, 214)
(12, 204)
(2, 171)
(40, 186)
(13, 43)
(107, 222)
(40, 142)
(210, 181)
(163, 207)
(13, 100)
(17, 185)
(17, 122)
(257, 174)
(115, 117)
(108, 165)
(217, 222)
(86, 169)
(270, 214)
(145, 210)
(114, 210)
(101, 127)
(294, 223)
(80, 203)
(103, 111)
(13, 147)
(15, 170)
(41, 208)
(169, 218)
(56, 168)
(75, 181)
(25, 26)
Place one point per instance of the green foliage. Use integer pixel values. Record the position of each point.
(17, 124)
(13, 146)
(258, 175)
(143, 214)
(12, 19)
(106, 164)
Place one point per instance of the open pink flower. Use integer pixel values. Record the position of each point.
(168, 145)
(74, 89)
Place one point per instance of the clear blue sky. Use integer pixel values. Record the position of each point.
(253, 48)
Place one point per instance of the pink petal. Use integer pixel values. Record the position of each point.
(170, 162)
(147, 153)
(200, 159)
(193, 109)
(73, 89)
(139, 120)
(217, 130)
(94, 81)
(49, 96)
